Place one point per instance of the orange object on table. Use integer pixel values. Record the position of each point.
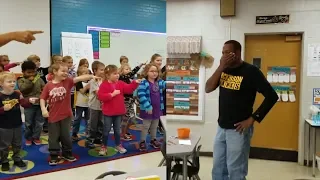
(183, 133)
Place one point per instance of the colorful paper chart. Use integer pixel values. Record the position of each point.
(95, 43)
(104, 39)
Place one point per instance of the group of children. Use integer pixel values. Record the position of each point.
(104, 96)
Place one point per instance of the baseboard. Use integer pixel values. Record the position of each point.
(267, 154)
(273, 154)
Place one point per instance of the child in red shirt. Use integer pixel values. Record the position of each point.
(111, 94)
(57, 94)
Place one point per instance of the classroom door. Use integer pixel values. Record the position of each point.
(280, 128)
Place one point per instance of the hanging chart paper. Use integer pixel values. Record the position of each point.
(313, 66)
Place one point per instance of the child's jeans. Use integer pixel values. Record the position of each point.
(96, 124)
(77, 120)
(115, 122)
(60, 132)
(231, 154)
(10, 137)
(149, 124)
(34, 122)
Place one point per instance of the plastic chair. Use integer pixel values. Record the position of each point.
(193, 168)
(110, 173)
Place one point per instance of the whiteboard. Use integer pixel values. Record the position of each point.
(138, 46)
(78, 46)
(17, 15)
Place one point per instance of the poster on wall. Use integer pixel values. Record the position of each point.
(286, 93)
(183, 89)
(313, 62)
(316, 96)
(282, 74)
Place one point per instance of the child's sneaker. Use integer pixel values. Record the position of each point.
(155, 143)
(53, 160)
(103, 151)
(5, 166)
(28, 143)
(20, 164)
(129, 134)
(125, 137)
(37, 142)
(121, 149)
(143, 146)
(75, 137)
(68, 156)
(89, 144)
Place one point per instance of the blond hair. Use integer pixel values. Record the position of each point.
(110, 69)
(6, 75)
(33, 57)
(122, 58)
(56, 67)
(147, 68)
(123, 66)
(82, 70)
(54, 58)
(66, 58)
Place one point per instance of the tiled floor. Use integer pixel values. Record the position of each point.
(258, 169)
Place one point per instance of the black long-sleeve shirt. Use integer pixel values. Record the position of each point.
(127, 79)
(238, 88)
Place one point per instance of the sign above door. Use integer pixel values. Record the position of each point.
(272, 19)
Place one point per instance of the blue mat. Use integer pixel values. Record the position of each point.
(37, 157)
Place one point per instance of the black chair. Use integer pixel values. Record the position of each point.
(110, 173)
(193, 168)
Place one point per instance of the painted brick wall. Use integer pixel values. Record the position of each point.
(202, 17)
(76, 15)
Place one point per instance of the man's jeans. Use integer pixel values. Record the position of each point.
(231, 154)
(33, 122)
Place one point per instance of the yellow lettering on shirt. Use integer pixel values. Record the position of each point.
(11, 102)
(230, 82)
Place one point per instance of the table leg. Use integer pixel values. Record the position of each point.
(314, 152)
(168, 164)
(185, 167)
(308, 143)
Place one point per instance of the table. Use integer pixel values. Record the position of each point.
(163, 147)
(182, 151)
(163, 120)
(159, 171)
(311, 125)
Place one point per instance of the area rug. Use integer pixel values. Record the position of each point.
(37, 157)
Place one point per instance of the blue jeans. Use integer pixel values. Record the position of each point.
(231, 154)
(108, 123)
(33, 122)
(77, 121)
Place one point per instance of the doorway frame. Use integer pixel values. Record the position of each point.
(301, 137)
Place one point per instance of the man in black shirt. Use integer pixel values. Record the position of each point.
(238, 84)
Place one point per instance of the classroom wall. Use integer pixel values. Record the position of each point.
(202, 17)
(17, 15)
(76, 15)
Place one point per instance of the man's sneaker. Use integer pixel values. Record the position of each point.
(28, 143)
(103, 151)
(37, 142)
(75, 138)
(121, 149)
(5, 166)
(68, 156)
(143, 146)
(20, 164)
(53, 160)
(155, 144)
(125, 137)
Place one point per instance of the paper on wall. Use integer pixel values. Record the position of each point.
(313, 62)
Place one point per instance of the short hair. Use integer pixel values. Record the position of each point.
(122, 58)
(235, 44)
(110, 69)
(56, 67)
(33, 57)
(95, 65)
(66, 58)
(28, 65)
(6, 75)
